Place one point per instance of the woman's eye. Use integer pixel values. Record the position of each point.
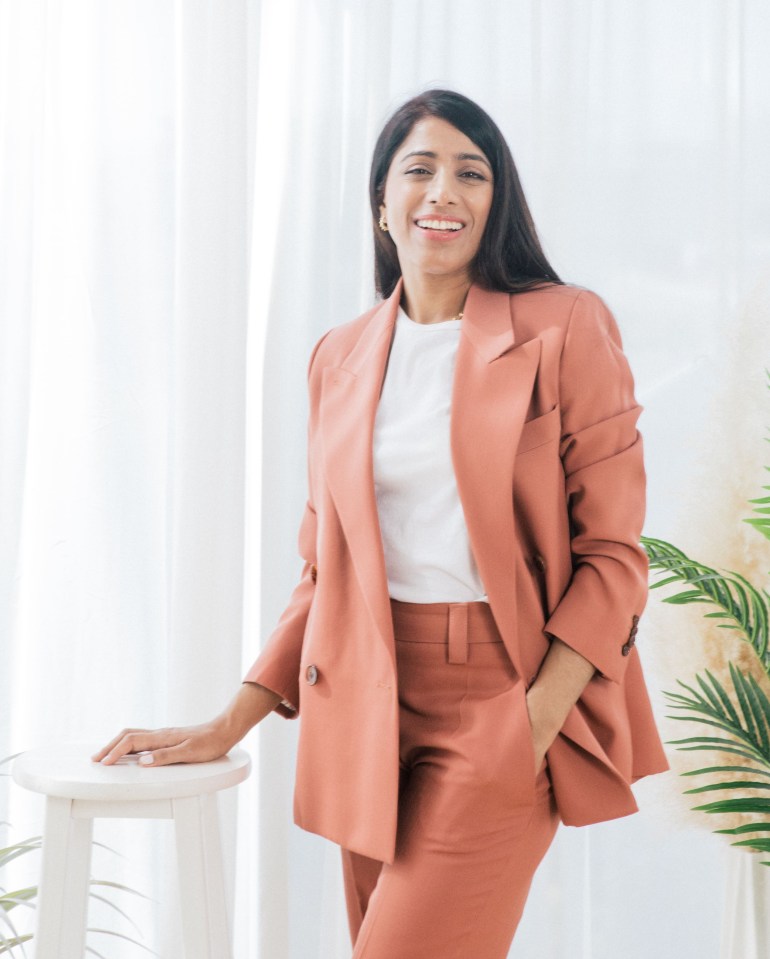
(468, 173)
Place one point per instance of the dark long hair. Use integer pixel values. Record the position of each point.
(510, 258)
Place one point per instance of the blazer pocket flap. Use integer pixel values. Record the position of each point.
(539, 430)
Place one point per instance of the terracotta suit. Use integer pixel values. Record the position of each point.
(549, 468)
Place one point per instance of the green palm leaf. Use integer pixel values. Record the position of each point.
(9, 900)
(728, 769)
(120, 935)
(735, 784)
(746, 733)
(746, 729)
(747, 827)
(19, 849)
(761, 523)
(750, 804)
(739, 601)
(7, 945)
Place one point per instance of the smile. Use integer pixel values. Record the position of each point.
(444, 226)
(440, 230)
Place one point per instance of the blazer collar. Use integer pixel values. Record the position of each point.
(486, 323)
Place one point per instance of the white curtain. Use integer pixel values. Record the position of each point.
(125, 218)
(183, 207)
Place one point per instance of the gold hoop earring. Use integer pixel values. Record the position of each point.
(383, 224)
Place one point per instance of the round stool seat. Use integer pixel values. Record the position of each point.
(68, 771)
(78, 790)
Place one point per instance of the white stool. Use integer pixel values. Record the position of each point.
(78, 790)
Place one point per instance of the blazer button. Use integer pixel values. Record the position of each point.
(313, 572)
(311, 674)
(539, 562)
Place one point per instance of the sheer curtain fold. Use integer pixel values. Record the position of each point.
(184, 210)
(125, 217)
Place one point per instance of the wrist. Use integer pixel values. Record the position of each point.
(225, 731)
(545, 719)
(251, 704)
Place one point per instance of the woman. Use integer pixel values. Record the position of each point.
(461, 640)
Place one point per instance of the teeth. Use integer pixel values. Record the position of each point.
(440, 224)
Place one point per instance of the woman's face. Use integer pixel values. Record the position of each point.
(437, 174)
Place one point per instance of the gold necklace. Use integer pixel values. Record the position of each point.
(458, 316)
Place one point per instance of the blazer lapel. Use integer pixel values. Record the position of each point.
(493, 382)
(349, 397)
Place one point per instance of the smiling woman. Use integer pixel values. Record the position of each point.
(436, 202)
(460, 644)
(441, 155)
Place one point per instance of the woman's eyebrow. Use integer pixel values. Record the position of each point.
(458, 156)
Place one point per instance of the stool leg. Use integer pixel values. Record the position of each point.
(63, 892)
(201, 881)
(215, 875)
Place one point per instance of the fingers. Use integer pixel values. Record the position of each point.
(132, 741)
(161, 747)
(190, 744)
(97, 757)
(180, 753)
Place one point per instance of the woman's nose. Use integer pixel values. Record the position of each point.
(441, 188)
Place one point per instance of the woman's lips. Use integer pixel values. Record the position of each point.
(442, 236)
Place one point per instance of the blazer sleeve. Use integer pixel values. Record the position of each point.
(602, 454)
(277, 666)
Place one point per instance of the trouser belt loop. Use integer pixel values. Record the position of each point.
(457, 649)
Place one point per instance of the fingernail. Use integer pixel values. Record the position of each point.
(146, 759)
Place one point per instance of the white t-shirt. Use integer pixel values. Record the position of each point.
(428, 556)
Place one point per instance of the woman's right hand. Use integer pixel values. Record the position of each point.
(194, 744)
(160, 747)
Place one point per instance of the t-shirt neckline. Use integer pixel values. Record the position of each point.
(407, 321)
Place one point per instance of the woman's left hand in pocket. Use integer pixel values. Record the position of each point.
(543, 731)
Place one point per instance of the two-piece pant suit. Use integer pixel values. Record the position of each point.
(548, 471)
(465, 856)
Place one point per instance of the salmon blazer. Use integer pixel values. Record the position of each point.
(550, 473)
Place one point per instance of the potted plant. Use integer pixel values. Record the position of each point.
(737, 719)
